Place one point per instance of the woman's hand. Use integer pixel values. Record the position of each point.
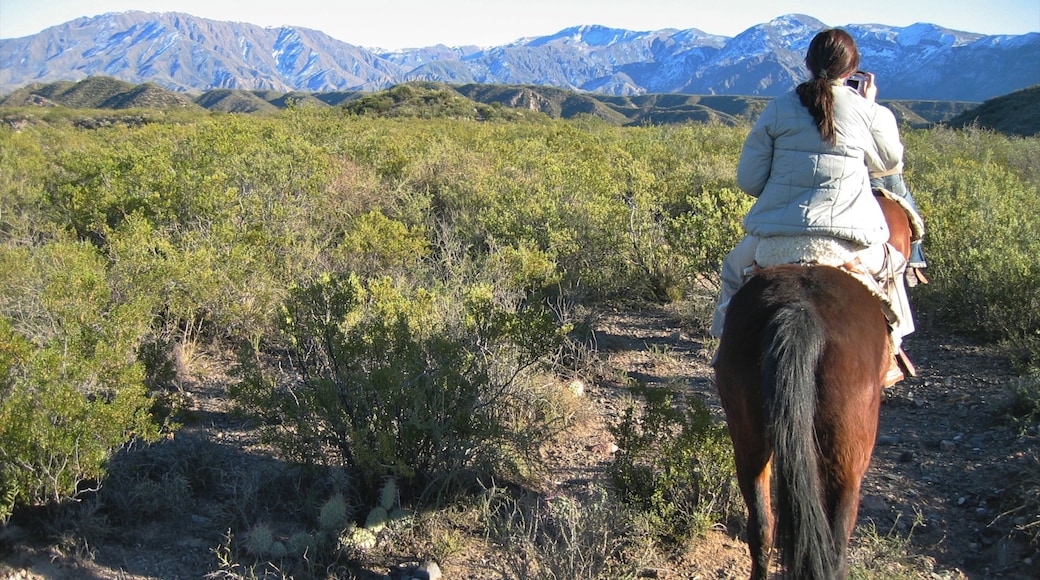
(867, 88)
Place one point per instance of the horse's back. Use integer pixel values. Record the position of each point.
(848, 311)
(854, 333)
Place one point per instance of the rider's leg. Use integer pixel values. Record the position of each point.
(888, 266)
(734, 267)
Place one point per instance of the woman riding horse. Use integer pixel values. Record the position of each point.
(805, 349)
(808, 160)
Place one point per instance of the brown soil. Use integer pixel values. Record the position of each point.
(943, 474)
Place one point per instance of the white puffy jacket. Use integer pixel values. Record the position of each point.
(807, 186)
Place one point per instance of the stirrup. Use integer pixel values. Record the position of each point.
(904, 363)
(915, 276)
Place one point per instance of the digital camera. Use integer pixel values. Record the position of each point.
(856, 80)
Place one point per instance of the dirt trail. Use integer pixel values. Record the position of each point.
(945, 460)
(944, 463)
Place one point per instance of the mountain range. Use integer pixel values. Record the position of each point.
(185, 53)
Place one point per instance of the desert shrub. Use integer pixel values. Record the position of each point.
(685, 210)
(213, 218)
(1023, 499)
(374, 244)
(165, 479)
(23, 160)
(71, 390)
(560, 537)
(981, 202)
(674, 464)
(705, 230)
(410, 384)
(888, 556)
(1024, 405)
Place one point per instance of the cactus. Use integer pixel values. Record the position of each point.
(388, 495)
(302, 543)
(400, 519)
(260, 540)
(376, 520)
(334, 514)
(358, 539)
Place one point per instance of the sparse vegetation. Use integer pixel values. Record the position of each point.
(406, 297)
(887, 556)
(563, 537)
(674, 466)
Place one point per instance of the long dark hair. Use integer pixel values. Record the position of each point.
(832, 54)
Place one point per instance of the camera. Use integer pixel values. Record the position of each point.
(856, 80)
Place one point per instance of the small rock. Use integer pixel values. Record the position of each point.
(191, 542)
(873, 503)
(947, 445)
(907, 457)
(604, 449)
(888, 440)
(428, 570)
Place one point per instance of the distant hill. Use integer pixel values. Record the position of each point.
(106, 93)
(234, 101)
(425, 98)
(1015, 114)
(97, 93)
(185, 53)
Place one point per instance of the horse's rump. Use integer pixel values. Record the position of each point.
(799, 370)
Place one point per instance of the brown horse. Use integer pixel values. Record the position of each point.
(800, 370)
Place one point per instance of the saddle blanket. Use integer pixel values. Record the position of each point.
(880, 268)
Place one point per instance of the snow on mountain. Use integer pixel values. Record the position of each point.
(182, 52)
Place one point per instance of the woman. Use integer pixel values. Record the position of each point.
(808, 160)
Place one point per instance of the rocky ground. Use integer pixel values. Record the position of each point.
(946, 458)
(946, 461)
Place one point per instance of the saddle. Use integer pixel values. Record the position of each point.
(883, 273)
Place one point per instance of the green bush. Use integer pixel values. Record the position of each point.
(408, 384)
(71, 391)
(674, 464)
(979, 193)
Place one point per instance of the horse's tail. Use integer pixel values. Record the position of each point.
(794, 343)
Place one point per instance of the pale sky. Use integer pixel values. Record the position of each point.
(393, 24)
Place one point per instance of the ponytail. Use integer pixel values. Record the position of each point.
(816, 96)
(832, 55)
